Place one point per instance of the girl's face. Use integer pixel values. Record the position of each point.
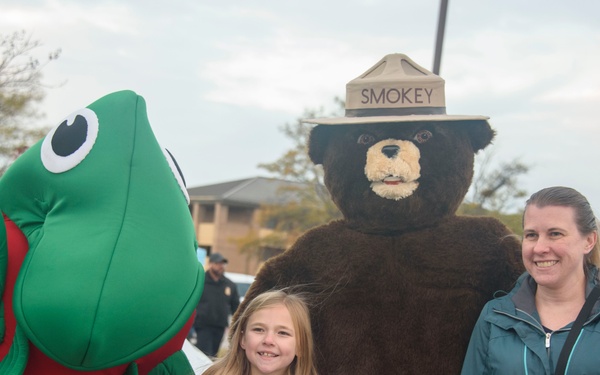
(270, 340)
(553, 249)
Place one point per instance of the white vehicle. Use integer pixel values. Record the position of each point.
(198, 360)
(242, 281)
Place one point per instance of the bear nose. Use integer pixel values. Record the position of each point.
(390, 151)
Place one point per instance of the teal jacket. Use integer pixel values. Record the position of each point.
(508, 337)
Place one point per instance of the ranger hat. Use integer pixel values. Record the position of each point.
(396, 89)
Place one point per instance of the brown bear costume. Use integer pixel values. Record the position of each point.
(397, 285)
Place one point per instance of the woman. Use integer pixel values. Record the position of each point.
(272, 336)
(524, 331)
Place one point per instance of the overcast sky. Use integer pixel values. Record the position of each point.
(220, 78)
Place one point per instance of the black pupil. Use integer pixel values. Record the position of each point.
(69, 138)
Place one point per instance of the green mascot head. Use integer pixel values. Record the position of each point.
(111, 273)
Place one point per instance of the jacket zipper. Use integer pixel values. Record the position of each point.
(539, 327)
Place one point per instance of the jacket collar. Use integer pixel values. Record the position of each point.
(523, 295)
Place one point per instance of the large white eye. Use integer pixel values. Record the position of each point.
(69, 143)
(178, 174)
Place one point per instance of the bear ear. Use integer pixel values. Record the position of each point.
(480, 134)
(317, 143)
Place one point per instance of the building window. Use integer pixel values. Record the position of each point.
(207, 214)
(240, 215)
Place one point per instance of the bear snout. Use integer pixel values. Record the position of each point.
(393, 168)
(390, 151)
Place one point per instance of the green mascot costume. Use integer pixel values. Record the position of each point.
(99, 273)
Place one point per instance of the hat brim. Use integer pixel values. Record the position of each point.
(388, 119)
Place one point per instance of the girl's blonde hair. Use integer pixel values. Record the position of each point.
(585, 220)
(235, 361)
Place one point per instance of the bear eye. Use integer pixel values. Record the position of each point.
(365, 139)
(423, 136)
(70, 142)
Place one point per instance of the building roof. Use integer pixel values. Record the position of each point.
(247, 192)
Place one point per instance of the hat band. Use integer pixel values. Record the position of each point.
(368, 112)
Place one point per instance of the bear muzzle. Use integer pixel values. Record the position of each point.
(393, 168)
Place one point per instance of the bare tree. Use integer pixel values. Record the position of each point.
(295, 165)
(21, 88)
(497, 189)
(307, 202)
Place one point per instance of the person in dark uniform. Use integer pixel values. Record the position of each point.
(219, 300)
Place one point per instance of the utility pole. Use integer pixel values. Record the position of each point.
(437, 60)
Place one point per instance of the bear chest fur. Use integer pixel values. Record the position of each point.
(370, 292)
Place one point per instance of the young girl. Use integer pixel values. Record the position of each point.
(272, 336)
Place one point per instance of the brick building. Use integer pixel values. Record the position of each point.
(225, 211)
